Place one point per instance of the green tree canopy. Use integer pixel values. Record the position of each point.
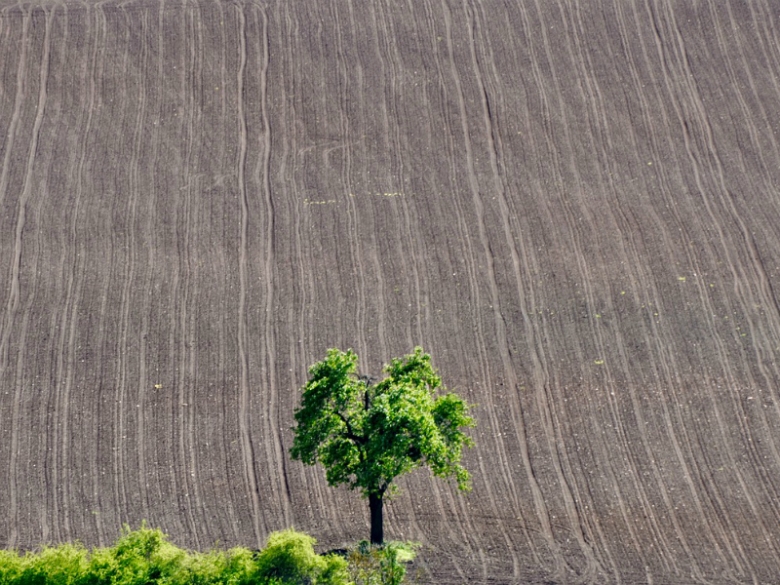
(366, 434)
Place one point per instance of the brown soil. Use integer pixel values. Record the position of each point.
(573, 205)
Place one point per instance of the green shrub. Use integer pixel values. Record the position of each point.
(234, 567)
(10, 566)
(289, 558)
(145, 557)
(334, 571)
(141, 558)
(380, 565)
(63, 565)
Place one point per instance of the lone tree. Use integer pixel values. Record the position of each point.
(367, 433)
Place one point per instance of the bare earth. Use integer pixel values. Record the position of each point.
(574, 206)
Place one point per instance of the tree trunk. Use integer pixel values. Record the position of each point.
(377, 531)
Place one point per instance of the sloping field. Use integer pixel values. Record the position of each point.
(573, 205)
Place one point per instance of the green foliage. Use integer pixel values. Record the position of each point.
(142, 556)
(10, 566)
(236, 567)
(145, 557)
(380, 565)
(289, 558)
(367, 435)
(63, 565)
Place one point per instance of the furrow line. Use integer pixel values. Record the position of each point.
(540, 371)
(469, 258)
(97, 341)
(238, 494)
(575, 500)
(690, 145)
(492, 104)
(597, 122)
(353, 236)
(691, 260)
(247, 446)
(5, 33)
(302, 220)
(279, 394)
(383, 34)
(273, 438)
(39, 295)
(606, 451)
(646, 109)
(561, 565)
(191, 86)
(32, 294)
(679, 533)
(344, 124)
(722, 426)
(726, 48)
(463, 520)
(8, 146)
(589, 98)
(766, 292)
(194, 121)
(298, 306)
(120, 377)
(759, 275)
(167, 387)
(7, 116)
(226, 445)
(669, 369)
(421, 298)
(500, 323)
(749, 243)
(12, 303)
(19, 99)
(455, 538)
(126, 404)
(304, 313)
(765, 21)
(401, 145)
(638, 409)
(16, 424)
(747, 66)
(146, 307)
(568, 488)
(321, 497)
(673, 381)
(183, 475)
(517, 52)
(345, 131)
(15, 297)
(669, 379)
(427, 23)
(356, 253)
(681, 445)
(718, 533)
(151, 407)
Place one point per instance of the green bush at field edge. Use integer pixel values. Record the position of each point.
(146, 557)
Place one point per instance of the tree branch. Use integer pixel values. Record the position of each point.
(350, 433)
(368, 381)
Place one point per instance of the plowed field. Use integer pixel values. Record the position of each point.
(573, 205)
